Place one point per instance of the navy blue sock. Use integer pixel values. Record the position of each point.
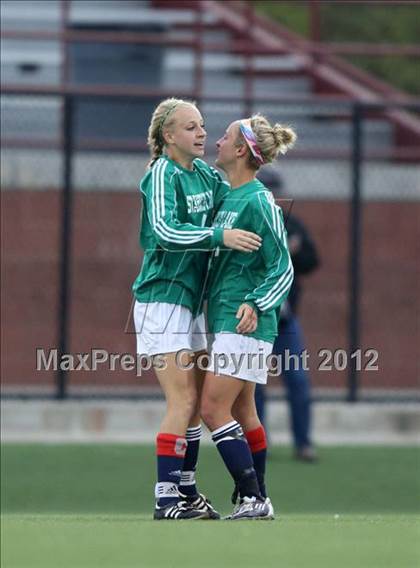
(235, 452)
(170, 450)
(188, 485)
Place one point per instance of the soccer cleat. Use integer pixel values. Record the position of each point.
(199, 502)
(178, 511)
(270, 515)
(251, 508)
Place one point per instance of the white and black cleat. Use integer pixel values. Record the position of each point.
(251, 508)
(181, 510)
(199, 502)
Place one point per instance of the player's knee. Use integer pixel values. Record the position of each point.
(210, 413)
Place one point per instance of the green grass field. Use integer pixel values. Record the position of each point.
(90, 506)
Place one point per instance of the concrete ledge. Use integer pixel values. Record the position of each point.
(138, 421)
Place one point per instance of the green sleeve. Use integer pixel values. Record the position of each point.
(160, 196)
(274, 289)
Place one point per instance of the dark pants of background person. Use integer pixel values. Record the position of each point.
(296, 381)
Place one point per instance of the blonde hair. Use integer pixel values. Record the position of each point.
(271, 140)
(162, 117)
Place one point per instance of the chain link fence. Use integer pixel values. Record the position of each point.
(71, 212)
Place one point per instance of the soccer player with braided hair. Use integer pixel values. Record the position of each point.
(179, 192)
(245, 292)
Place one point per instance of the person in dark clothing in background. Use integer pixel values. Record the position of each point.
(290, 337)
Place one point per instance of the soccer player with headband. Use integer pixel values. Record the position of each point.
(245, 292)
(179, 193)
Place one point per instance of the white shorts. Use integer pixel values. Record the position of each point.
(167, 328)
(240, 356)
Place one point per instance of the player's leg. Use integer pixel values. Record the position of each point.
(188, 487)
(218, 398)
(193, 435)
(198, 344)
(160, 334)
(245, 412)
(179, 388)
(180, 393)
(219, 395)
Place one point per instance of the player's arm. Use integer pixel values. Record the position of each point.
(160, 195)
(236, 239)
(171, 234)
(275, 287)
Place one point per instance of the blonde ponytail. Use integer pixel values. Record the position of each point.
(285, 137)
(271, 140)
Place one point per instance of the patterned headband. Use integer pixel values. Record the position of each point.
(248, 134)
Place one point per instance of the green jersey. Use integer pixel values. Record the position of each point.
(176, 232)
(262, 278)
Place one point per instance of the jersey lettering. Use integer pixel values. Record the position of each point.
(225, 219)
(200, 202)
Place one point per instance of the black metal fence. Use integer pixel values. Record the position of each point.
(356, 163)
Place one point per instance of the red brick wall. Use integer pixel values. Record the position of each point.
(106, 260)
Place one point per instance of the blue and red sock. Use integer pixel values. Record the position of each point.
(170, 450)
(257, 441)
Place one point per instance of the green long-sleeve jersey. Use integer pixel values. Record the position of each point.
(262, 278)
(176, 232)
